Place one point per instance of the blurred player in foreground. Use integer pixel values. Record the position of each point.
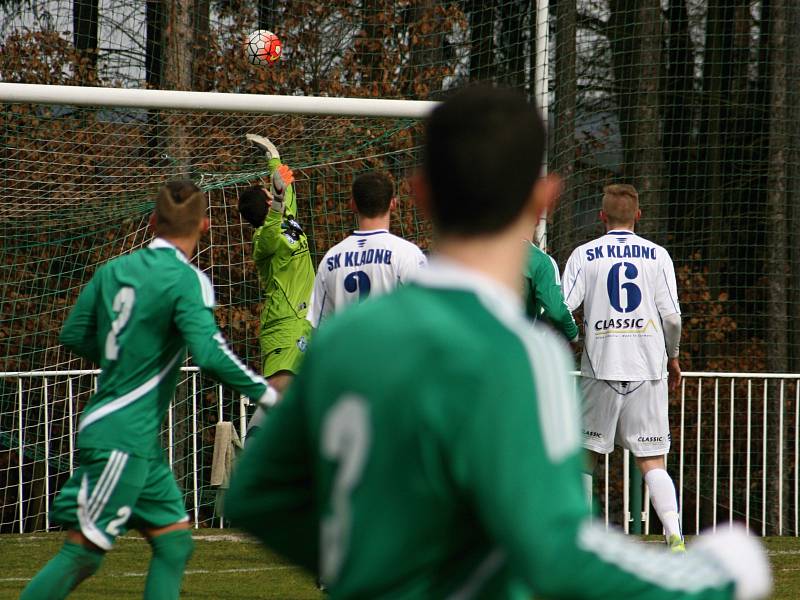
(280, 251)
(430, 447)
(135, 318)
(633, 330)
(543, 299)
(371, 261)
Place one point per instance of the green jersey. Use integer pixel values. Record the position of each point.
(543, 297)
(135, 318)
(437, 455)
(285, 270)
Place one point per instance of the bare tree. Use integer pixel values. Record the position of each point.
(778, 268)
(482, 63)
(635, 36)
(84, 29)
(563, 156)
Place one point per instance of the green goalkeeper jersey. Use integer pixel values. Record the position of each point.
(430, 448)
(285, 270)
(543, 296)
(135, 318)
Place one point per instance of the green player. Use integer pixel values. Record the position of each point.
(285, 270)
(430, 447)
(543, 297)
(136, 318)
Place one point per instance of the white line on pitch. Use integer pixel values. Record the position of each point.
(188, 572)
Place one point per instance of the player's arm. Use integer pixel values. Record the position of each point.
(194, 318)
(547, 287)
(271, 490)
(320, 304)
(670, 312)
(79, 333)
(521, 463)
(413, 261)
(573, 284)
(269, 237)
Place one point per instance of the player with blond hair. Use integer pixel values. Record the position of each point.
(632, 323)
(135, 319)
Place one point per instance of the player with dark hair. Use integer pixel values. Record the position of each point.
(431, 445)
(371, 261)
(285, 270)
(136, 318)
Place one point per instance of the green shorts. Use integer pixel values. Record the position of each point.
(285, 351)
(113, 491)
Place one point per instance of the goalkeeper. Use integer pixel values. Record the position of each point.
(543, 297)
(280, 251)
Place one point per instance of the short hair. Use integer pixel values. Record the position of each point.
(253, 205)
(373, 193)
(620, 203)
(482, 156)
(180, 207)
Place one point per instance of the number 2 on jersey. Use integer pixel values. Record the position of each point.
(345, 439)
(122, 305)
(358, 281)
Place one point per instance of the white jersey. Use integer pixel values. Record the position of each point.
(627, 286)
(367, 263)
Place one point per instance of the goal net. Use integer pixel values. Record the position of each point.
(78, 190)
(77, 181)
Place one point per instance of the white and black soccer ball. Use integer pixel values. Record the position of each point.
(263, 47)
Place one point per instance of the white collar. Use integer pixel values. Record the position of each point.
(447, 274)
(369, 231)
(159, 243)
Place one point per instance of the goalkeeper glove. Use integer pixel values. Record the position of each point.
(282, 178)
(262, 143)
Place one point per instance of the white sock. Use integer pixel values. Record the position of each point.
(662, 495)
(587, 488)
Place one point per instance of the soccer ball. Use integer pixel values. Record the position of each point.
(263, 47)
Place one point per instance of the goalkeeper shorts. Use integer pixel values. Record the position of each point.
(631, 414)
(113, 491)
(284, 350)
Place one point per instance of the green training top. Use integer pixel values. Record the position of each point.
(438, 455)
(135, 318)
(285, 270)
(543, 296)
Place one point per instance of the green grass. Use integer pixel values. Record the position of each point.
(225, 564)
(228, 565)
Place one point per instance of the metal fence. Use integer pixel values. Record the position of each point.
(734, 456)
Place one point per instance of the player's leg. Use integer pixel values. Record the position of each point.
(95, 506)
(280, 381)
(283, 353)
(601, 406)
(644, 429)
(77, 560)
(161, 517)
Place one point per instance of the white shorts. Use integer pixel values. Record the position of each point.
(631, 414)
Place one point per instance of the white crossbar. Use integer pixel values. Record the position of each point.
(194, 101)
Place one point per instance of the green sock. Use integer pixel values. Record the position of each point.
(171, 552)
(63, 573)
